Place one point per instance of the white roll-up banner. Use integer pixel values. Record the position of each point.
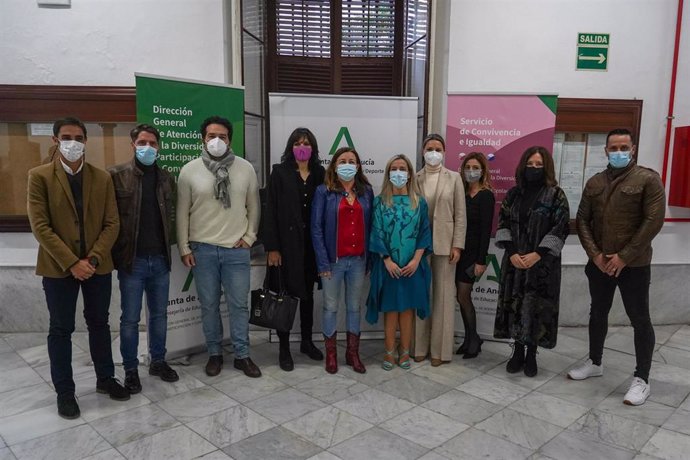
(376, 127)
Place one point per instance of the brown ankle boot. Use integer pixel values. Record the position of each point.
(352, 354)
(331, 353)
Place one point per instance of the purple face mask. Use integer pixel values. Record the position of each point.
(302, 152)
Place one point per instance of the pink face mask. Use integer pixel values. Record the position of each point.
(302, 152)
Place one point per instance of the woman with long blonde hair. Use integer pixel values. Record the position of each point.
(400, 275)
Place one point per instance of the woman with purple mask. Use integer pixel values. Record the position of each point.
(285, 232)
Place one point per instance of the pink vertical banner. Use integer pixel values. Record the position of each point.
(501, 127)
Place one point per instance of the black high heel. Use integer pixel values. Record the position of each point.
(471, 351)
(462, 349)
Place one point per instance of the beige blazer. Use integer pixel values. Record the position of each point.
(55, 224)
(448, 223)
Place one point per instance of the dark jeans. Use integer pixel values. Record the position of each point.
(633, 283)
(61, 296)
(149, 275)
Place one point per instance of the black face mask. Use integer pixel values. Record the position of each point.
(534, 175)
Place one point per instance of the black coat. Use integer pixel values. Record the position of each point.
(528, 300)
(282, 226)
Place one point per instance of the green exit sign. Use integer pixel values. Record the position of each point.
(592, 51)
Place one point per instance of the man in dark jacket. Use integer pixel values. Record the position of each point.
(141, 254)
(621, 211)
(73, 215)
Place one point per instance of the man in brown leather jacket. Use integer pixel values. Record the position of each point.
(621, 211)
(141, 253)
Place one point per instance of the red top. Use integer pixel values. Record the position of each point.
(350, 229)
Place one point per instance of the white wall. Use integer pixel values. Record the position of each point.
(489, 45)
(529, 46)
(103, 42)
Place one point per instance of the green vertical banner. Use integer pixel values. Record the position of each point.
(177, 107)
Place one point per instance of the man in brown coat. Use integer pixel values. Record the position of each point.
(621, 211)
(73, 215)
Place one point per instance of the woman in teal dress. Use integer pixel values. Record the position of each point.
(400, 240)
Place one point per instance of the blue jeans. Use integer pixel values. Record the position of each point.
(351, 272)
(217, 266)
(61, 296)
(149, 275)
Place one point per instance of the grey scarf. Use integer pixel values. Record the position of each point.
(219, 167)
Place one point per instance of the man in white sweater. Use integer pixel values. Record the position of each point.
(218, 213)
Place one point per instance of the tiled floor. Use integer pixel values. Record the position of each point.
(467, 409)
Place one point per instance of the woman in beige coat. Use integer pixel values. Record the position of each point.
(445, 195)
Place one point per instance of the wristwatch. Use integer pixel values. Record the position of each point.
(93, 260)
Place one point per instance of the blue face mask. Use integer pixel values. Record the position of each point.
(398, 178)
(619, 159)
(146, 154)
(346, 172)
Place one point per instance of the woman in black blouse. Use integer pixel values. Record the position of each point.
(286, 235)
(479, 202)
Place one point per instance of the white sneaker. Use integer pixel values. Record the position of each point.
(586, 370)
(638, 392)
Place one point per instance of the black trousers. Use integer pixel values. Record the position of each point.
(306, 314)
(61, 296)
(633, 283)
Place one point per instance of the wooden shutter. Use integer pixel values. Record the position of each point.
(338, 46)
(368, 47)
(303, 46)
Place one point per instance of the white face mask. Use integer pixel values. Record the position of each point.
(473, 175)
(433, 157)
(216, 147)
(72, 150)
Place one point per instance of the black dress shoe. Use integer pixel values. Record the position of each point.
(113, 388)
(162, 370)
(248, 367)
(132, 382)
(68, 407)
(285, 360)
(214, 365)
(308, 348)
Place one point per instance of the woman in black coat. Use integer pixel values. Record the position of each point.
(532, 228)
(285, 231)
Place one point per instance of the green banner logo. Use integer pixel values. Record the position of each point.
(492, 261)
(344, 132)
(188, 281)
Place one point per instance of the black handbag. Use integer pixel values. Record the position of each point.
(273, 310)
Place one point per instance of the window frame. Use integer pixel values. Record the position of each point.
(335, 62)
(45, 104)
(587, 115)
